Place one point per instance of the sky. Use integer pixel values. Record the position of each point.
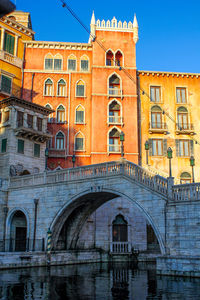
(169, 31)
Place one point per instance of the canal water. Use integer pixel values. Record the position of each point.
(95, 282)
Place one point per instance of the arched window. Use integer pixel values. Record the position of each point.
(109, 58)
(18, 232)
(156, 117)
(119, 229)
(185, 178)
(84, 63)
(114, 85)
(118, 58)
(79, 114)
(48, 62)
(48, 87)
(59, 141)
(114, 113)
(57, 62)
(60, 114)
(80, 89)
(61, 88)
(50, 117)
(79, 142)
(71, 65)
(114, 140)
(182, 115)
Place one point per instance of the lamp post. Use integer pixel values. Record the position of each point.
(169, 156)
(46, 157)
(121, 136)
(73, 159)
(192, 164)
(147, 151)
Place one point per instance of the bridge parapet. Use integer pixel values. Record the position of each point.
(186, 192)
(154, 182)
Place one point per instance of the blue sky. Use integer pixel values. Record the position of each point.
(169, 31)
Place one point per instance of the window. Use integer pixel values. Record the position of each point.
(79, 114)
(50, 117)
(6, 116)
(60, 141)
(79, 146)
(72, 63)
(20, 119)
(30, 121)
(80, 89)
(114, 140)
(9, 42)
(109, 58)
(114, 85)
(57, 62)
(60, 114)
(48, 88)
(114, 112)
(185, 178)
(182, 115)
(3, 145)
(119, 229)
(49, 62)
(39, 124)
(158, 147)
(37, 150)
(53, 63)
(118, 58)
(156, 117)
(181, 95)
(184, 148)
(6, 83)
(61, 88)
(155, 92)
(20, 146)
(84, 63)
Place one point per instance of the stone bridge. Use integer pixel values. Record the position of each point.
(64, 199)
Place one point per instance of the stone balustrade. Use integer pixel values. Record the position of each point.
(7, 57)
(120, 247)
(186, 192)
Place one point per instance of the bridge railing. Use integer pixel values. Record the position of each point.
(186, 192)
(133, 171)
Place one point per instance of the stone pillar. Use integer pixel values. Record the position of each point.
(44, 125)
(35, 122)
(170, 183)
(25, 124)
(5, 211)
(16, 45)
(2, 37)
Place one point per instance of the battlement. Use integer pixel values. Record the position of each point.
(114, 25)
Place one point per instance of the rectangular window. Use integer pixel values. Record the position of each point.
(71, 64)
(9, 42)
(20, 119)
(37, 150)
(155, 92)
(3, 145)
(39, 124)
(181, 95)
(6, 83)
(84, 65)
(157, 147)
(79, 116)
(30, 121)
(79, 144)
(57, 64)
(184, 149)
(80, 90)
(20, 146)
(48, 63)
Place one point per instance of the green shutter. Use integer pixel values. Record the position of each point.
(6, 84)
(177, 148)
(165, 147)
(9, 42)
(150, 147)
(37, 150)
(20, 146)
(3, 145)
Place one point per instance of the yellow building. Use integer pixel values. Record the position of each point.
(170, 114)
(14, 29)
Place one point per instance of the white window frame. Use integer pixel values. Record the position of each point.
(79, 132)
(80, 105)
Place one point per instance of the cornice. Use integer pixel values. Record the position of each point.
(58, 45)
(17, 26)
(173, 74)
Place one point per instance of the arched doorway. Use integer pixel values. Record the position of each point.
(18, 232)
(119, 229)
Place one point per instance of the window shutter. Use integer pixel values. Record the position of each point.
(177, 148)
(165, 147)
(191, 147)
(20, 146)
(37, 150)
(150, 147)
(3, 145)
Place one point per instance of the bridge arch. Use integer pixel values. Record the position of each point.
(77, 209)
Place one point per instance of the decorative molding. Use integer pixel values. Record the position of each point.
(17, 26)
(114, 25)
(54, 72)
(177, 74)
(58, 45)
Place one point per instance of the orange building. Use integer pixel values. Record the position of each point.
(92, 88)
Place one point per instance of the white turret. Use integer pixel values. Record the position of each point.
(135, 29)
(92, 28)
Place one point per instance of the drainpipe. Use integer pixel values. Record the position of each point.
(69, 104)
(35, 222)
(33, 74)
(23, 72)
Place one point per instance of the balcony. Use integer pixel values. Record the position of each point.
(54, 152)
(114, 92)
(157, 127)
(7, 57)
(115, 120)
(114, 148)
(120, 247)
(28, 132)
(187, 128)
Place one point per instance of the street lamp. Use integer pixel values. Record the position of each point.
(169, 156)
(192, 164)
(121, 136)
(73, 159)
(46, 157)
(147, 150)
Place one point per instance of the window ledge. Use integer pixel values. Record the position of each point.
(80, 150)
(80, 96)
(115, 123)
(185, 131)
(79, 123)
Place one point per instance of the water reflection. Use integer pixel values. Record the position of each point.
(95, 281)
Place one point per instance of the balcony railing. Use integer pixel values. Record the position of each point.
(184, 128)
(114, 148)
(115, 120)
(117, 92)
(120, 247)
(10, 58)
(157, 127)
